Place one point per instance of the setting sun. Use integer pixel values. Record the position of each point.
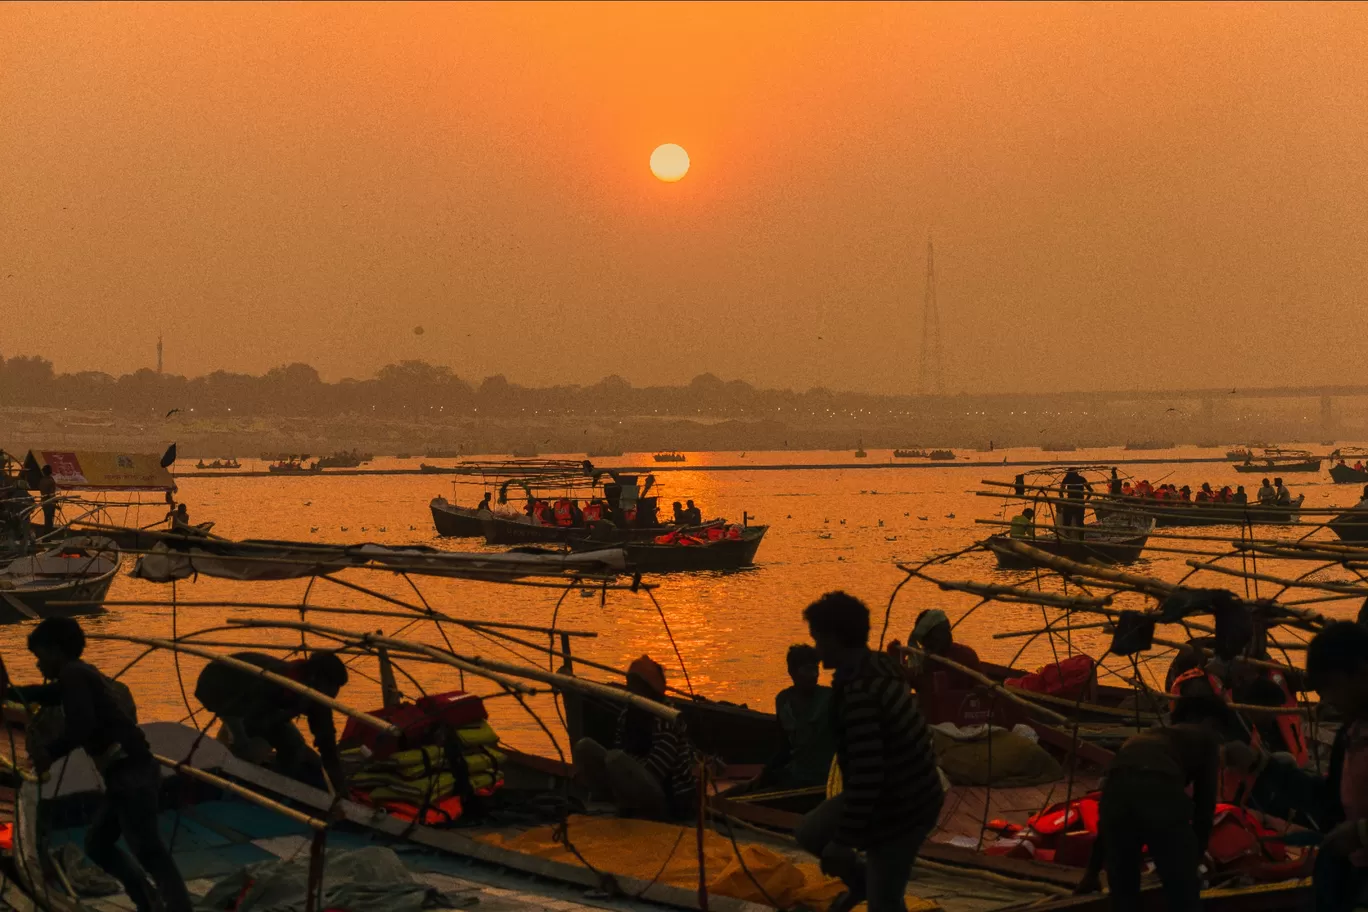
(669, 162)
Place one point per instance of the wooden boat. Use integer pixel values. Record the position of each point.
(344, 459)
(79, 570)
(1340, 473)
(1351, 526)
(1141, 445)
(910, 454)
(1099, 542)
(219, 464)
(941, 455)
(456, 522)
(1183, 513)
(1240, 454)
(672, 456)
(1279, 466)
(293, 465)
(658, 557)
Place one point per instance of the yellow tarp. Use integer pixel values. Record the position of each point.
(637, 848)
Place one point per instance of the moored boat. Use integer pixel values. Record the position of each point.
(1100, 543)
(1279, 466)
(671, 456)
(684, 553)
(453, 521)
(70, 579)
(230, 463)
(1180, 513)
(913, 453)
(941, 455)
(1351, 526)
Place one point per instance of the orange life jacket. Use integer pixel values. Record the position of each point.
(734, 532)
(565, 512)
(714, 533)
(541, 512)
(1290, 724)
(593, 512)
(1232, 787)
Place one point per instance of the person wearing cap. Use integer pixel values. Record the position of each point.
(933, 635)
(649, 771)
(804, 714)
(1023, 524)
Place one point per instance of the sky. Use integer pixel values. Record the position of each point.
(1120, 195)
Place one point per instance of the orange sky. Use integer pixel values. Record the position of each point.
(1178, 192)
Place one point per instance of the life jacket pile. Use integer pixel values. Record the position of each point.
(446, 755)
(1068, 678)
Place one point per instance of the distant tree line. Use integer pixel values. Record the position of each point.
(407, 389)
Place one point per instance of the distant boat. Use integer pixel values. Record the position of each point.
(914, 453)
(672, 456)
(1149, 445)
(293, 465)
(231, 463)
(860, 451)
(941, 455)
(345, 459)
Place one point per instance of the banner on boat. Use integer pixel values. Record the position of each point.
(88, 470)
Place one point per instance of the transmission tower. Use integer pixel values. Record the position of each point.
(930, 378)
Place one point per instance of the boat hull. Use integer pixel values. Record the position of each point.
(1279, 468)
(651, 557)
(24, 604)
(1178, 513)
(1351, 526)
(1343, 474)
(456, 522)
(1105, 548)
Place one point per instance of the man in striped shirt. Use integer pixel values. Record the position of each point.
(649, 772)
(891, 793)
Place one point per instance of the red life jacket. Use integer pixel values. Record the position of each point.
(734, 532)
(1193, 674)
(630, 515)
(1067, 678)
(593, 512)
(1232, 787)
(714, 533)
(565, 512)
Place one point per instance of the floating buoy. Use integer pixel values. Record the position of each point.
(417, 330)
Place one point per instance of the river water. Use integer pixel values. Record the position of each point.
(829, 529)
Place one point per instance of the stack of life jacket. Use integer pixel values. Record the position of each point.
(446, 756)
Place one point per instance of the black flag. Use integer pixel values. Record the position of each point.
(169, 457)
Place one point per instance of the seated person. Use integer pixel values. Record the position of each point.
(1023, 524)
(804, 713)
(649, 771)
(934, 635)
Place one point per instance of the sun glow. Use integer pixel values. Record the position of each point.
(669, 162)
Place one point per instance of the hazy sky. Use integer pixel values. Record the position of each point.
(1120, 195)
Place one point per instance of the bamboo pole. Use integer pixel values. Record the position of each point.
(1089, 571)
(988, 682)
(992, 590)
(1015, 634)
(248, 667)
(226, 785)
(363, 638)
(287, 606)
(489, 667)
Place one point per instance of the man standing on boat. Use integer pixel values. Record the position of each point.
(891, 790)
(1075, 488)
(99, 716)
(47, 493)
(254, 709)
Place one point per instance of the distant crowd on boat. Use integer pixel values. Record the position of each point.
(1274, 494)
